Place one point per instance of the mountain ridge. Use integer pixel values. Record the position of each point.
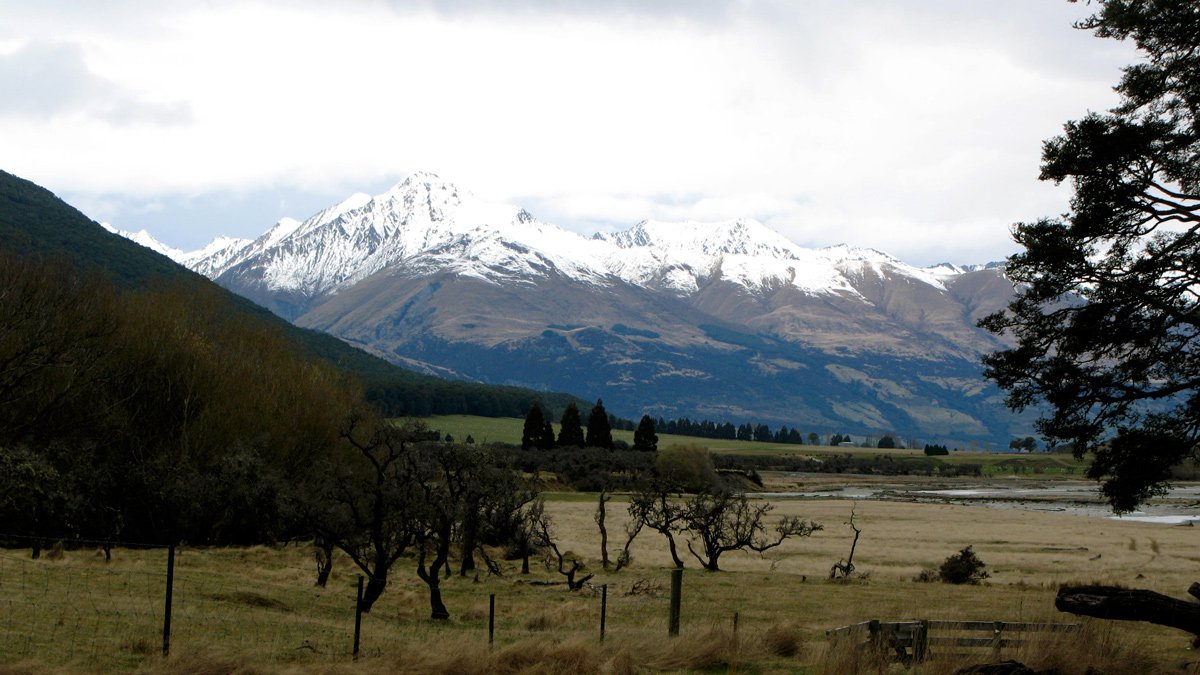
(426, 273)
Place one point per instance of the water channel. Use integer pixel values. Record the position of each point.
(1181, 506)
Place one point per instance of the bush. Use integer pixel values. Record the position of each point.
(926, 576)
(963, 567)
(688, 467)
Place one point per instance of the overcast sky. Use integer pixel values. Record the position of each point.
(912, 126)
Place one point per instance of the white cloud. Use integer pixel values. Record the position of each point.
(915, 129)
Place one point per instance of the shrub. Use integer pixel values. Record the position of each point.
(926, 576)
(688, 467)
(963, 567)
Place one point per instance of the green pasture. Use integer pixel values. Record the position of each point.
(508, 430)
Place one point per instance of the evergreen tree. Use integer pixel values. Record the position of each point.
(644, 437)
(547, 440)
(599, 432)
(571, 433)
(1108, 321)
(762, 433)
(535, 427)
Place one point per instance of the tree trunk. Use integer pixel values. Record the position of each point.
(1125, 604)
(525, 562)
(469, 537)
(437, 608)
(324, 555)
(674, 553)
(600, 517)
(375, 585)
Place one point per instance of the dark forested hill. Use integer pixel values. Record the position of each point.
(35, 222)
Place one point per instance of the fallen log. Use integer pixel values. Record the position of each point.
(1130, 604)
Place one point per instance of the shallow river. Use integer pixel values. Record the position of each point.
(1180, 506)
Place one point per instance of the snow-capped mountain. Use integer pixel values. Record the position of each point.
(425, 224)
(146, 239)
(727, 319)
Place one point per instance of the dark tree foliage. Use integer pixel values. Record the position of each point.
(1107, 325)
(599, 430)
(570, 434)
(644, 437)
(533, 433)
(886, 443)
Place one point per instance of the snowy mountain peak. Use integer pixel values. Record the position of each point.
(146, 239)
(425, 225)
(733, 237)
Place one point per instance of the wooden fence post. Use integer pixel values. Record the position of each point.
(167, 604)
(920, 645)
(603, 609)
(491, 619)
(358, 617)
(676, 592)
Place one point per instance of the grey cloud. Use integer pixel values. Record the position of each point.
(47, 79)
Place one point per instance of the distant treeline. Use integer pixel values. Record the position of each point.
(742, 432)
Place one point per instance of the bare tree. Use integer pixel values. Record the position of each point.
(599, 518)
(844, 568)
(657, 507)
(367, 504)
(632, 529)
(724, 521)
(453, 483)
(544, 534)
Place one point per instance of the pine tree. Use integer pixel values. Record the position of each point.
(599, 432)
(535, 426)
(644, 437)
(1107, 324)
(571, 433)
(546, 442)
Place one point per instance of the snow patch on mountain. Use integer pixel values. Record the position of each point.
(425, 224)
(146, 239)
(211, 258)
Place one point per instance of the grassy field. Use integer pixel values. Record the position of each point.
(508, 430)
(256, 608)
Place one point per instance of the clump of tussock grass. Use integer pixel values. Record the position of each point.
(140, 646)
(783, 639)
(571, 656)
(251, 599)
(202, 662)
(844, 655)
(714, 649)
(562, 616)
(526, 656)
(26, 668)
(1100, 647)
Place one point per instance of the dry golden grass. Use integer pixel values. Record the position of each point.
(255, 609)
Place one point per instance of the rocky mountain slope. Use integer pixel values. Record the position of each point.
(726, 320)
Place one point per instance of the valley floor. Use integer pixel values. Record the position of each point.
(257, 608)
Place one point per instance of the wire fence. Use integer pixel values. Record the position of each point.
(76, 606)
